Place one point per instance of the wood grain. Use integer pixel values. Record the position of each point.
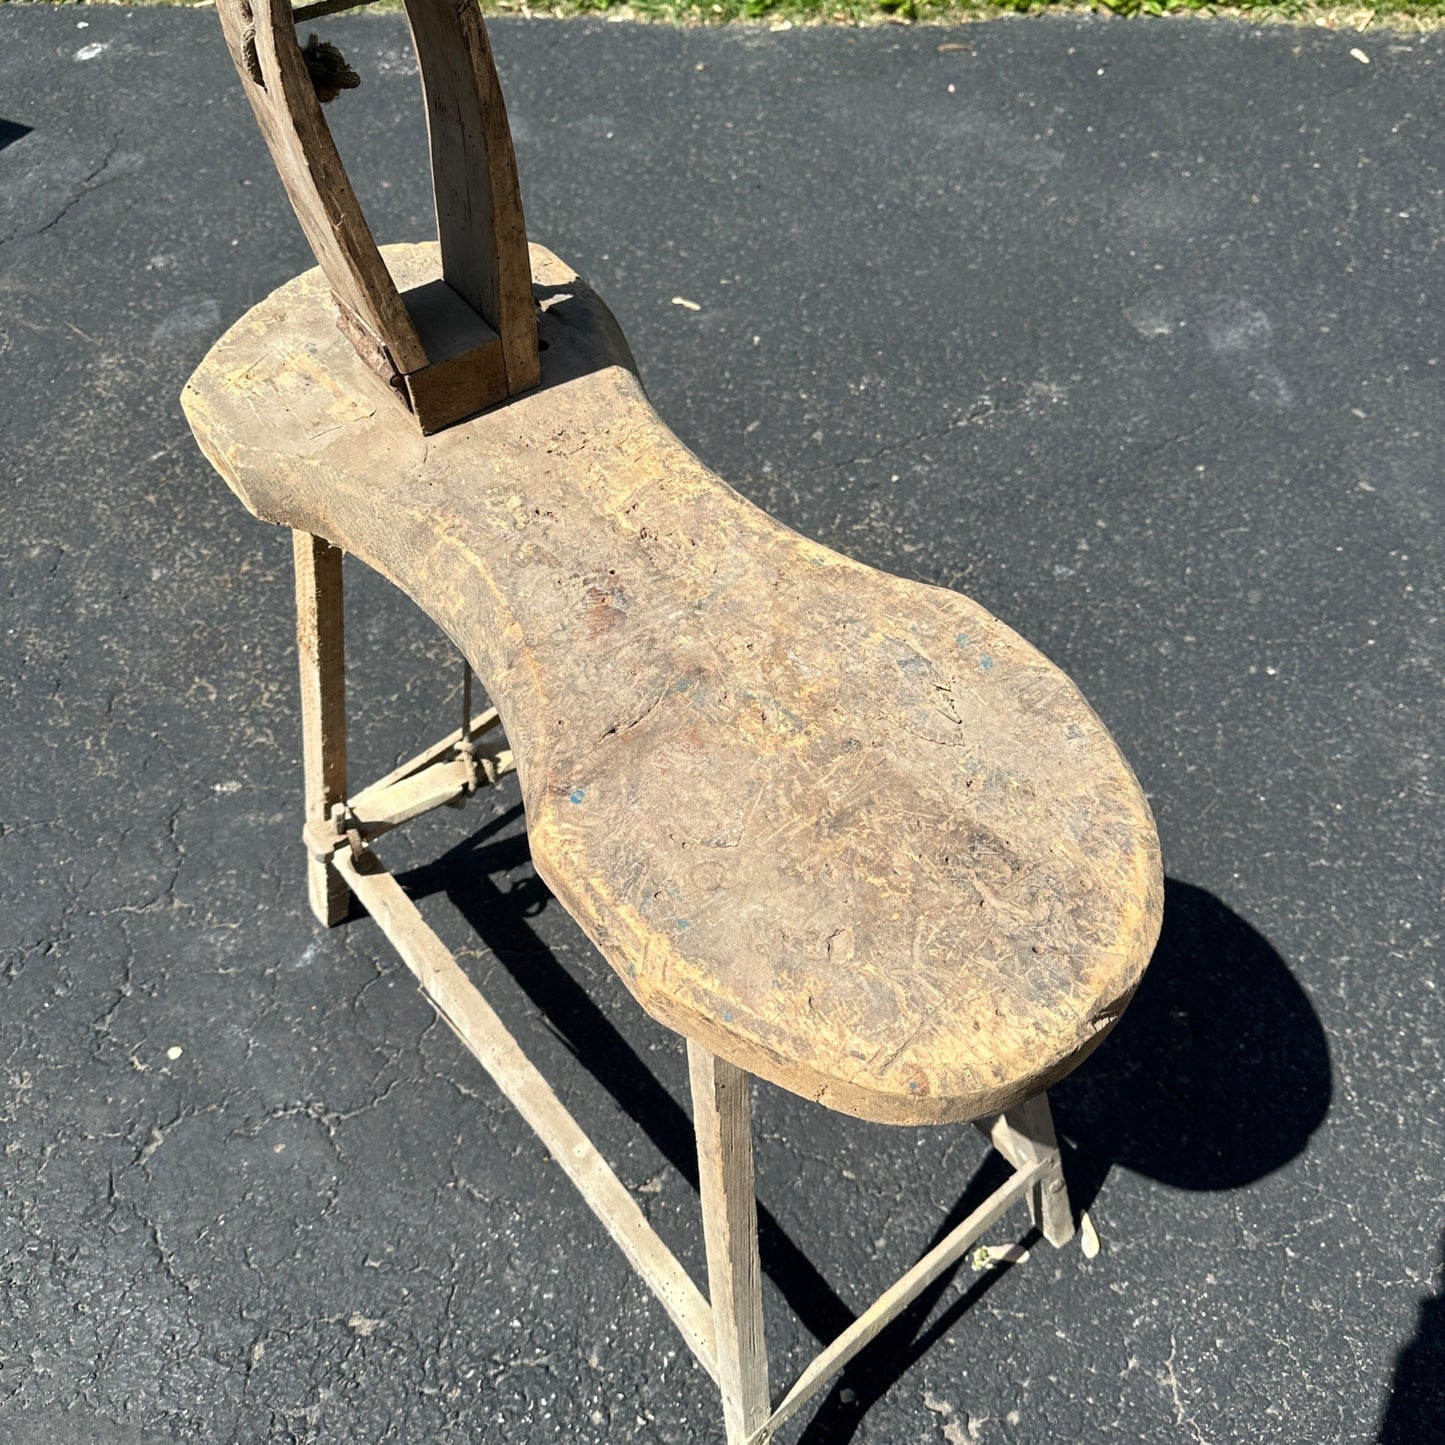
(850, 833)
(321, 654)
(723, 1118)
(1025, 1135)
(480, 226)
(286, 109)
(465, 338)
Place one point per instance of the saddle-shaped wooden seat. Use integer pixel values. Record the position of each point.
(842, 831)
(849, 832)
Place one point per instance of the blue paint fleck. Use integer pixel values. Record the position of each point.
(912, 1086)
(985, 663)
(961, 638)
(576, 795)
(683, 924)
(727, 1015)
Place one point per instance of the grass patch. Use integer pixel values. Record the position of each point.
(1411, 15)
(1393, 14)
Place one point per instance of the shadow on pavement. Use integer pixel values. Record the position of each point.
(11, 131)
(1416, 1410)
(466, 875)
(1216, 1076)
(873, 1371)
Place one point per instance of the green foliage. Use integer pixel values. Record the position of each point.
(1416, 14)
(1255, 9)
(1412, 14)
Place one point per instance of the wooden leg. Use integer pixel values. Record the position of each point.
(322, 655)
(722, 1116)
(1025, 1134)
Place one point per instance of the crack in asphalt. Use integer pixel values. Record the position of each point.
(87, 185)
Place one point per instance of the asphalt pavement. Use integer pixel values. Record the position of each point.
(1131, 331)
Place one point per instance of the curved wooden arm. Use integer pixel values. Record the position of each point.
(466, 338)
(848, 832)
(480, 226)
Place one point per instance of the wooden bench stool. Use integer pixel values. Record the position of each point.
(848, 833)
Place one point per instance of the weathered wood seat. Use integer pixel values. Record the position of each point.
(842, 831)
(851, 833)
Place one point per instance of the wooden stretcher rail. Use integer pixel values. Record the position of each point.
(389, 808)
(445, 774)
(431, 775)
(379, 808)
(462, 1007)
(481, 724)
(894, 1300)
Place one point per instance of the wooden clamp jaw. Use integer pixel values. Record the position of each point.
(444, 775)
(468, 339)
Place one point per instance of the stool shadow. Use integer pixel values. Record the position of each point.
(12, 131)
(1216, 1076)
(1416, 1408)
(465, 875)
(873, 1371)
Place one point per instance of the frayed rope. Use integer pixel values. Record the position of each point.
(327, 67)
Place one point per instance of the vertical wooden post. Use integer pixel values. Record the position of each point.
(321, 652)
(1029, 1131)
(722, 1117)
